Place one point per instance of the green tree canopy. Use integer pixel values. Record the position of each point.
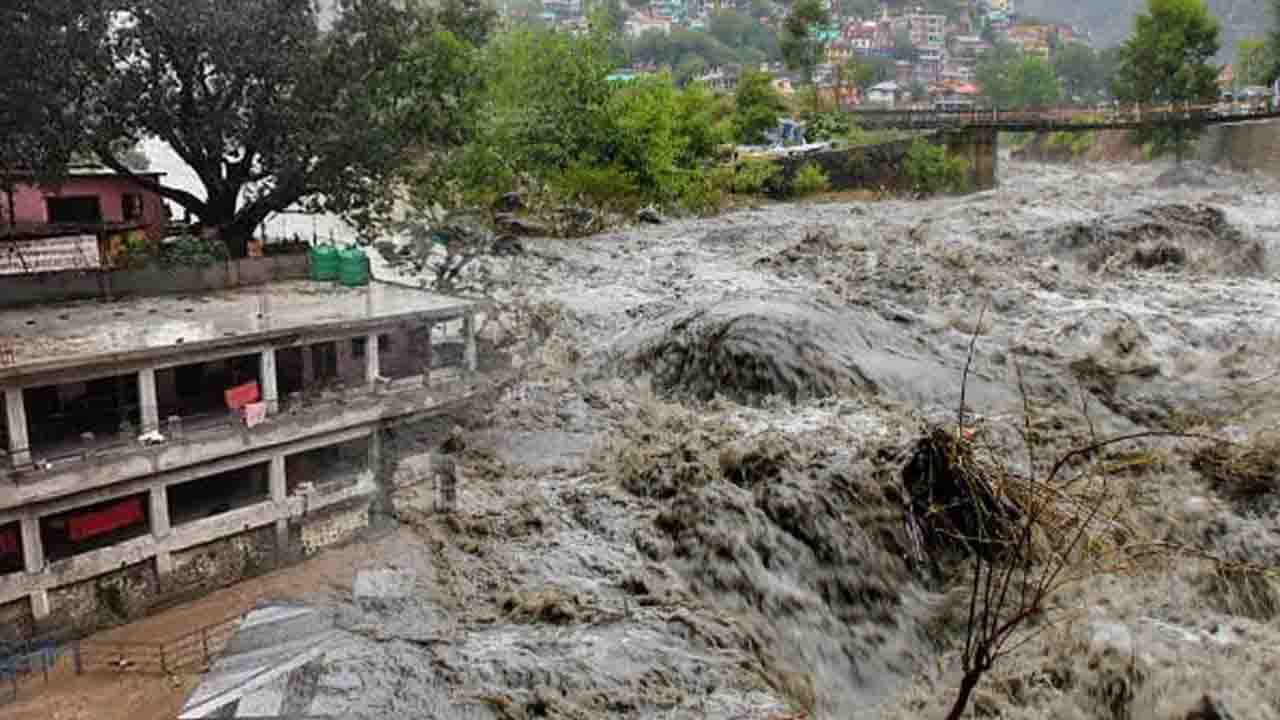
(1273, 40)
(1010, 79)
(758, 106)
(51, 54)
(1082, 71)
(1252, 66)
(802, 47)
(1169, 59)
(268, 109)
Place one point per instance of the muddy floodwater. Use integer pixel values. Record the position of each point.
(690, 503)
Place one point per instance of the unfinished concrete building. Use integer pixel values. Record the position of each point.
(158, 447)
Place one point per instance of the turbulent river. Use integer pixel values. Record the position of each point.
(690, 505)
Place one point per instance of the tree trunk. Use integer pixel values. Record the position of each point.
(967, 685)
(236, 237)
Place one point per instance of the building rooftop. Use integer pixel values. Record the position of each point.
(58, 336)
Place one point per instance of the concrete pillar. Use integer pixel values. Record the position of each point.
(160, 512)
(308, 366)
(375, 453)
(277, 482)
(15, 413)
(267, 374)
(469, 338)
(164, 562)
(39, 604)
(426, 356)
(372, 366)
(32, 546)
(346, 359)
(149, 408)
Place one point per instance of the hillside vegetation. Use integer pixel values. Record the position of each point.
(1111, 21)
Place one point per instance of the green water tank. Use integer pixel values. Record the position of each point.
(324, 262)
(353, 267)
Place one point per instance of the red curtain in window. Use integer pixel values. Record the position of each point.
(102, 521)
(9, 542)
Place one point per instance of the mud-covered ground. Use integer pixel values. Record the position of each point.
(690, 505)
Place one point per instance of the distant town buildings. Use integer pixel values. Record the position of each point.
(926, 57)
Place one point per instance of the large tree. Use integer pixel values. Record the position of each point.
(757, 107)
(48, 56)
(1169, 59)
(1273, 40)
(1252, 66)
(802, 42)
(1082, 72)
(270, 110)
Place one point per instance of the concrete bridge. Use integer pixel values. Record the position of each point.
(1065, 119)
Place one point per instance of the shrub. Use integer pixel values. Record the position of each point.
(820, 127)
(702, 191)
(609, 187)
(931, 170)
(809, 180)
(752, 175)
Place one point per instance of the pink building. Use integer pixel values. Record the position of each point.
(87, 198)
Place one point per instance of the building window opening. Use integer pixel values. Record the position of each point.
(403, 355)
(62, 420)
(197, 393)
(74, 209)
(329, 468)
(131, 206)
(217, 494)
(94, 527)
(11, 557)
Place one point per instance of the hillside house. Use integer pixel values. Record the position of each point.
(76, 222)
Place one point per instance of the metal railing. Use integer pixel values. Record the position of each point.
(194, 651)
(29, 668)
(1058, 118)
(26, 669)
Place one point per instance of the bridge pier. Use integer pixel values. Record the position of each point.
(980, 147)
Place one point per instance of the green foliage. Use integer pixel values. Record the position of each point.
(1083, 72)
(731, 38)
(758, 107)
(182, 251)
(752, 176)
(607, 187)
(802, 48)
(821, 127)
(277, 111)
(1169, 59)
(1252, 66)
(550, 118)
(810, 179)
(51, 54)
(931, 170)
(1009, 79)
(1273, 42)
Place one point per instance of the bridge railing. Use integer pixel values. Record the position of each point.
(1121, 115)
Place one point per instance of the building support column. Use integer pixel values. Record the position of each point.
(267, 374)
(278, 484)
(308, 366)
(426, 356)
(469, 338)
(15, 411)
(39, 604)
(372, 362)
(149, 408)
(32, 545)
(160, 528)
(375, 453)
